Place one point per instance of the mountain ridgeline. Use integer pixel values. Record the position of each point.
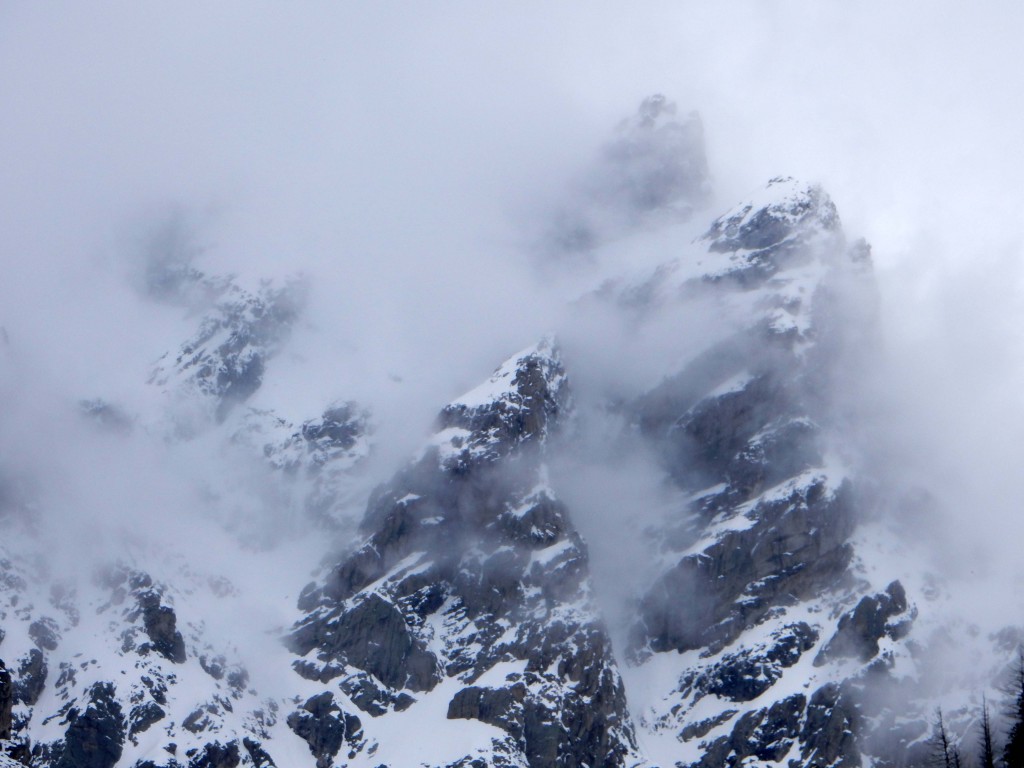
(454, 620)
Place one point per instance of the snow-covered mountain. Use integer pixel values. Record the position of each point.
(277, 612)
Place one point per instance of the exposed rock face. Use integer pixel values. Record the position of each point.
(316, 443)
(221, 367)
(773, 231)
(744, 675)
(831, 730)
(44, 633)
(657, 161)
(860, 630)
(95, 736)
(472, 585)
(767, 735)
(32, 675)
(160, 623)
(6, 702)
(326, 728)
(12, 753)
(743, 437)
(217, 755)
(740, 576)
(374, 637)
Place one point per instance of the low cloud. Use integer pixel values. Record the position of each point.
(391, 155)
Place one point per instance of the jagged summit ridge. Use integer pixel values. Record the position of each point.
(778, 246)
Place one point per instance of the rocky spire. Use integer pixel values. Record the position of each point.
(470, 597)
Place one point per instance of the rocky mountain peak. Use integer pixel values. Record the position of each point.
(785, 208)
(652, 171)
(652, 109)
(764, 263)
(223, 364)
(657, 160)
(521, 403)
(470, 594)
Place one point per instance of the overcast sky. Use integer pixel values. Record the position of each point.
(385, 145)
(393, 152)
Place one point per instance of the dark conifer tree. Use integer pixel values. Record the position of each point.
(1013, 752)
(943, 747)
(986, 745)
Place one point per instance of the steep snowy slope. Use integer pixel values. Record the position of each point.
(105, 671)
